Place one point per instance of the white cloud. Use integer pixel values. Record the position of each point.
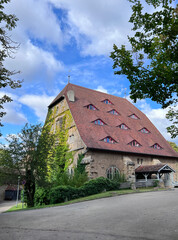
(32, 61)
(37, 20)
(157, 117)
(97, 25)
(101, 89)
(37, 30)
(38, 104)
(12, 109)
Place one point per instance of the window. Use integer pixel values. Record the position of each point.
(156, 146)
(123, 126)
(59, 122)
(114, 112)
(99, 122)
(144, 130)
(133, 116)
(112, 172)
(139, 161)
(109, 140)
(134, 143)
(107, 101)
(91, 107)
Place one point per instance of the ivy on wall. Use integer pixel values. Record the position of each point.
(59, 157)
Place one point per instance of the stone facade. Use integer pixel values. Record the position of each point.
(98, 161)
(76, 145)
(102, 160)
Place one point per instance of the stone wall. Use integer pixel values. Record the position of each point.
(102, 160)
(76, 145)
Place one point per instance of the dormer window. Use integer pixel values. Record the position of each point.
(91, 107)
(134, 143)
(99, 122)
(107, 102)
(109, 140)
(114, 112)
(144, 130)
(133, 116)
(156, 146)
(123, 126)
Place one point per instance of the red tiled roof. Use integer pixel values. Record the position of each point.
(92, 134)
(152, 168)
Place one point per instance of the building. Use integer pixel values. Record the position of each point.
(113, 135)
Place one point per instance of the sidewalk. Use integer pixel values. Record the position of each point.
(5, 205)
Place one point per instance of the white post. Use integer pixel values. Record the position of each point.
(18, 191)
(157, 176)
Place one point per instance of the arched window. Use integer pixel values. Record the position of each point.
(112, 172)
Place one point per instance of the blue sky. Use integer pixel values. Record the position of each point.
(58, 37)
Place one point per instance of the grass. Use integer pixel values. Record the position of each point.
(92, 197)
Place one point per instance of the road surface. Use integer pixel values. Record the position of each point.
(151, 215)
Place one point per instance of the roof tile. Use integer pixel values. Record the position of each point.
(91, 133)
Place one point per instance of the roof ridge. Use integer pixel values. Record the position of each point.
(96, 91)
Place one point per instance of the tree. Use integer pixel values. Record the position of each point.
(152, 63)
(174, 146)
(26, 155)
(7, 48)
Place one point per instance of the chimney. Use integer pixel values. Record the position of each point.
(71, 95)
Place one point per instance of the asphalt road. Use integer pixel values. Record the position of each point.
(152, 215)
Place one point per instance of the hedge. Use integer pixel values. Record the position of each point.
(65, 193)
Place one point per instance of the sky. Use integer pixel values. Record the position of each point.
(66, 37)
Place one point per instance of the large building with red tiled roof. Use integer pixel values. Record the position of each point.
(111, 132)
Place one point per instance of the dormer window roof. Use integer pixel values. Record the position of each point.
(107, 101)
(91, 107)
(134, 143)
(108, 139)
(134, 116)
(156, 146)
(144, 130)
(99, 122)
(123, 126)
(114, 112)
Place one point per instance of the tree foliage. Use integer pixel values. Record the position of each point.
(59, 157)
(152, 63)
(26, 155)
(7, 49)
(174, 146)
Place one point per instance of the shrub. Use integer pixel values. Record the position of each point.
(76, 180)
(63, 193)
(41, 197)
(98, 185)
(156, 183)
